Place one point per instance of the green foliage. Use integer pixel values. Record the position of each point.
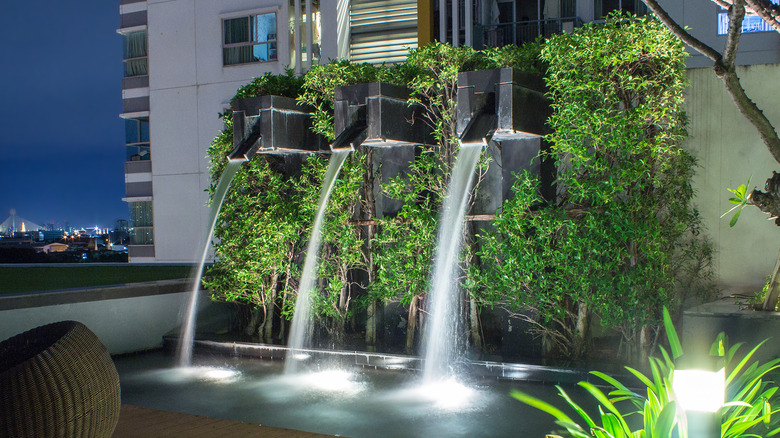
(405, 243)
(319, 88)
(609, 245)
(622, 231)
(287, 85)
(258, 245)
(740, 199)
(746, 413)
(527, 57)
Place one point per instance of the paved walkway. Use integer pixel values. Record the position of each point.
(135, 421)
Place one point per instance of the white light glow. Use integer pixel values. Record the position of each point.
(447, 394)
(301, 356)
(701, 391)
(332, 381)
(211, 373)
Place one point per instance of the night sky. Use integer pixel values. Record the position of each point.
(61, 139)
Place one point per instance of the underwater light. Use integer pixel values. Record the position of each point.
(447, 394)
(216, 374)
(333, 381)
(219, 373)
(301, 356)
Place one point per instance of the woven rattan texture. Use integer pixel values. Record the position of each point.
(57, 380)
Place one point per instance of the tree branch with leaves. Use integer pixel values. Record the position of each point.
(724, 66)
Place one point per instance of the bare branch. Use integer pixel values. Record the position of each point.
(753, 113)
(736, 15)
(726, 71)
(681, 33)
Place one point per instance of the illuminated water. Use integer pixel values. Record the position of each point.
(443, 336)
(300, 328)
(358, 402)
(185, 343)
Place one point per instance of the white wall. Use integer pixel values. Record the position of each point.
(729, 151)
(122, 325)
(188, 88)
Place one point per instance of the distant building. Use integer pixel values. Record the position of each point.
(47, 248)
(15, 223)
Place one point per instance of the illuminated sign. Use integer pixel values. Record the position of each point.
(751, 23)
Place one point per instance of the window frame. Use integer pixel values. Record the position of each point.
(251, 16)
(133, 149)
(144, 59)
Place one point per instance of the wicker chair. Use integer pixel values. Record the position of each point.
(57, 380)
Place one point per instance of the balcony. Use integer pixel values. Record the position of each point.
(520, 32)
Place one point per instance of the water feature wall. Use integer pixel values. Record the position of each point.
(495, 108)
(263, 124)
(500, 105)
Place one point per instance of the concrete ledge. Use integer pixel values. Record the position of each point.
(99, 293)
(478, 369)
(702, 324)
(126, 318)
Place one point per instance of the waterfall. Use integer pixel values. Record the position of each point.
(300, 329)
(185, 342)
(443, 338)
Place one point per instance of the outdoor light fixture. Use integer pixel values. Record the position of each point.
(700, 390)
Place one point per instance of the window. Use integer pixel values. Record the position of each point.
(142, 231)
(382, 30)
(305, 34)
(135, 57)
(137, 139)
(750, 24)
(249, 39)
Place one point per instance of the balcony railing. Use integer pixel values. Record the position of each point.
(521, 32)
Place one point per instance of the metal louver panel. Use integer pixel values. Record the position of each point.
(382, 30)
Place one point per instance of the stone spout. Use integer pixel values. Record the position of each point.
(273, 125)
(378, 115)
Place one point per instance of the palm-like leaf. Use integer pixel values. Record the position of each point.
(747, 413)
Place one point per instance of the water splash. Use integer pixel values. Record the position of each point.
(442, 341)
(300, 329)
(184, 354)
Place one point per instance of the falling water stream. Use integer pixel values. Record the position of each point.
(186, 340)
(442, 341)
(301, 324)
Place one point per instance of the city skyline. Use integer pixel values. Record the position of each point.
(61, 138)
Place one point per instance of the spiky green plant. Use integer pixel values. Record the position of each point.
(747, 412)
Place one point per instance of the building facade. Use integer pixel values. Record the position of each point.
(184, 60)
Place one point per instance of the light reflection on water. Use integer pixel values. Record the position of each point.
(355, 403)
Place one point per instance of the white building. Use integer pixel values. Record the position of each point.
(184, 60)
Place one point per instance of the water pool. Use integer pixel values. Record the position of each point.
(357, 402)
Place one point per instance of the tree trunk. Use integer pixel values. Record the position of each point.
(582, 329)
(411, 324)
(369, 213)
(253, 322)
(475, 329)
(371, 326)
(645, 343)
(268, 332)
(770, 300)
